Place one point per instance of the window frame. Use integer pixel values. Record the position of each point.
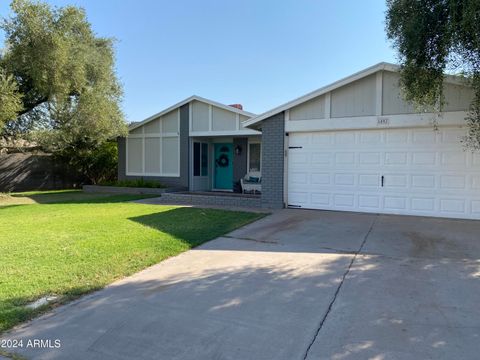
(200, 162)
(256, 142)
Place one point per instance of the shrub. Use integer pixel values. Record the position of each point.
(95, 165)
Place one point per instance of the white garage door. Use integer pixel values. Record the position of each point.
(405, 171)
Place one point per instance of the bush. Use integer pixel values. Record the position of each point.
(95, 164)
(134, 183)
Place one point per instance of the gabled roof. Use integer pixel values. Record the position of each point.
(323, 90)
(454, 79)
(186, 101)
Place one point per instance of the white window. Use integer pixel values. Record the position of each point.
(254, 157)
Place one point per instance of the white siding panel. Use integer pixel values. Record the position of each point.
(242, 119)
(355, 99)
(223, 120)
(170, 122)
(170, 155)
(312, 109)
(136, 131)
(457, 97)
(392, 97)
(200, 117)
(134, 155)
(153, 127)
(152, 155)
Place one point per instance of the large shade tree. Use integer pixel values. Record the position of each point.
(434, 37)
(57, 78)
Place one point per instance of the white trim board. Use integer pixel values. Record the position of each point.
(456, 118)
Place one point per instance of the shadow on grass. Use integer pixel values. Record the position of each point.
(188, 224)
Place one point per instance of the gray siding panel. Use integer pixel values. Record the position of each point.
(355, 99)
(273, 136)
(312, 109)
(392, 98)
(182, 181)
(240, 161)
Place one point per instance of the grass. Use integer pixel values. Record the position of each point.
(70, 243)
(55, 196)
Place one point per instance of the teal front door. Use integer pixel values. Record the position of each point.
(223, 166)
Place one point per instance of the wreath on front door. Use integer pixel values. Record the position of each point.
(222, 161)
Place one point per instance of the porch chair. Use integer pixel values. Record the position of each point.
(251, 182)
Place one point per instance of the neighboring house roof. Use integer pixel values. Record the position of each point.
(323, 90)
(135, 125)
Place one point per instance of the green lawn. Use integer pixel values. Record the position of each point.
(70, 243)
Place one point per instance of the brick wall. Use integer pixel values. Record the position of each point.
(273, 136)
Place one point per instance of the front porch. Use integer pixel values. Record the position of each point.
(221, 164)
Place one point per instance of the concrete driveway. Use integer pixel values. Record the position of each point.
(296, 285)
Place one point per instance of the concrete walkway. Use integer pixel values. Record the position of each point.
(296, 285)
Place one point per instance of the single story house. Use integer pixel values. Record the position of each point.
(354, 145)
(196, 145)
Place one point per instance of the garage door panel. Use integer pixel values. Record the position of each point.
(425, 172)
(476, 159)
(369, 202)
(452, 205)
(300, 178)
(344, 200)
(320, 199)
(369, 158)
(298, 198)
(423, 137)
(302, 139)
(320, 179)
(397, 137)
(452, 182)
(345, 158)
(395, 203)
(322, 139)
(345, 138)
(321, 158)
(345, 179)
(396, 158)
(423, 181)
(371, 138)
(453, 159)
(395, 181)
(475, 182)
(423, 204)
(298, 159)
(476, 207)
(372, 180)
(424, 158)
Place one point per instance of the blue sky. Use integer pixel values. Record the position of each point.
(260, 53)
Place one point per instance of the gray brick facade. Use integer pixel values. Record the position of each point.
(273, 136)
(222, 200)
(180, 182)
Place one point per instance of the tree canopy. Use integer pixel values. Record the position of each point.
(57, 78)
(433, 37)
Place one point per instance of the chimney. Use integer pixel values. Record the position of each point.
(237, 106)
